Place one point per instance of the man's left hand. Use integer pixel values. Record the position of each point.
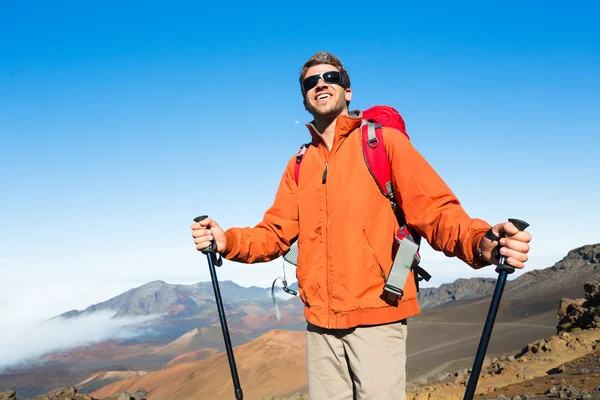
(514, 245)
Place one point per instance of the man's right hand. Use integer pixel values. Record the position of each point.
(203, 233)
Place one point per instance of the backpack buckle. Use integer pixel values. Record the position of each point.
(373, 140)
(301, 153)
(403, 262)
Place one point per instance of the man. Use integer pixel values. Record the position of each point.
(345, 229)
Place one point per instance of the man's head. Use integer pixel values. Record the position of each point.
(325, 86)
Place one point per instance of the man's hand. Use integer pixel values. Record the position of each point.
(514, 245)
(205, 231)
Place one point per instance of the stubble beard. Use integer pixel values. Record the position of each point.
(329, 111)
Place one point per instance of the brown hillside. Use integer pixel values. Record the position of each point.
(273, 363)
(101, 379)
(109, 350)
(202, 338)
(193, 356)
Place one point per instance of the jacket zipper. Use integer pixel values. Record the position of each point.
(327, 269)
(326, 233)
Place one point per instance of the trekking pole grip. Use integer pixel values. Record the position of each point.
(502, 265)
(213, 245)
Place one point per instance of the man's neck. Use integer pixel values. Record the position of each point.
(326, 128)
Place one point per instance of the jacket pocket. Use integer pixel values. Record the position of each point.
(374, 253)
(308, 270)
(357, 282)
(409, 288)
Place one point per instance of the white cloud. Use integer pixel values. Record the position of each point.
(27, 342)
(34, 293)
(31, 293)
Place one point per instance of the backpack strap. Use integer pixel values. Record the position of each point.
(379, 164)
(407, 257)
(299, 157)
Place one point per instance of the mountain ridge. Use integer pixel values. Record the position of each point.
(159, 297)
(187, 301)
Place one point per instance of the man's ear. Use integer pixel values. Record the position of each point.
(348, 94)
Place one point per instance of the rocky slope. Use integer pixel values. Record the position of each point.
(561, 366)
(578, 379)
(566, 276)
(71, 393)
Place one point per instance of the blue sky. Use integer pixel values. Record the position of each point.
(119, 123)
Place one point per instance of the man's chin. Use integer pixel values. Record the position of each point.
(325, 113)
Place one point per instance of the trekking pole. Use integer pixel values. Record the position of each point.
(211, 255)
(503, 270)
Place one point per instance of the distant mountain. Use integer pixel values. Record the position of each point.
(197, 300)
(179, 301)
(189, 301)
(458, 290)
(564, 278)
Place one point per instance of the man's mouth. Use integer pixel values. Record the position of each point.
(323, 96)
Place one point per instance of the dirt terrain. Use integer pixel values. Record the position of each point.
(578, 379)
(564, 365)
(562, 360)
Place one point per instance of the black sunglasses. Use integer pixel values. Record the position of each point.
(333, 77)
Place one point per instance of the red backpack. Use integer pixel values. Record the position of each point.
(407, 256)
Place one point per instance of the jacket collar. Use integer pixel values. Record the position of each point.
(344, 125)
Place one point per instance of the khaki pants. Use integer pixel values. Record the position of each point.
(357, 364)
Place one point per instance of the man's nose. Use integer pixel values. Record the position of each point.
(321, 83)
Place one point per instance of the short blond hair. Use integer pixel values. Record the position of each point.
(325, 57)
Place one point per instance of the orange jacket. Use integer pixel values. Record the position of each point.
(346, 227)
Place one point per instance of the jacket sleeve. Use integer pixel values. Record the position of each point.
(273, 236)
(429, 205)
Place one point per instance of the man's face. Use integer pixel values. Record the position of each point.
(326, 99)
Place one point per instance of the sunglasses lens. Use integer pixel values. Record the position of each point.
(332, 77)
(310, 82)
